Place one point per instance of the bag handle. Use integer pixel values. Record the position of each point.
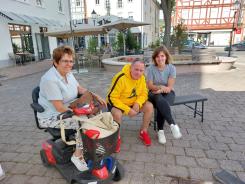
(62, 132)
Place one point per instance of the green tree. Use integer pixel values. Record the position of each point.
(155, 44)
(130, 40)
(167, 7)
(15, 47)
(92, 44)
(180, 36)
(119, 42)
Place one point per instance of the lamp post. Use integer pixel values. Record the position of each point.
(236, 6)
(94, 16)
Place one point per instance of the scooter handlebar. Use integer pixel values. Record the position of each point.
(65, 115)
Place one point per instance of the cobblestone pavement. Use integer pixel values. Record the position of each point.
(218, 142)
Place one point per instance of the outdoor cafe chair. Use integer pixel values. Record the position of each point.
(15, 58)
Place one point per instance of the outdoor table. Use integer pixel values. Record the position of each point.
(81, 58)
(23, 56)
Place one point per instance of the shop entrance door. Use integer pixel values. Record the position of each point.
(42, 46)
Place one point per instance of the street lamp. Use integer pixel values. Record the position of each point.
(94, 16)
(236, 6)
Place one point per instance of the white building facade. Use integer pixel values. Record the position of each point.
(138, 10)
(22, 27)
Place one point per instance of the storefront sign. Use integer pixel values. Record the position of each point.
(238, 30)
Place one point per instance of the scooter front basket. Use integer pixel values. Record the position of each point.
(97, 149)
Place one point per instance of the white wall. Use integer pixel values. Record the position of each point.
(133, 7)
(5, 42)
(216, 38)
(52, 44)
(141, 10)
(49, 9)
(150, 15)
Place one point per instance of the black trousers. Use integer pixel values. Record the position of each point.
(162, 103)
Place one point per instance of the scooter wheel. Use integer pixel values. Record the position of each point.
(44, 158)
(119, 173)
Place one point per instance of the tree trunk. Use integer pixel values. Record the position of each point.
(166, 38)
(166, 6)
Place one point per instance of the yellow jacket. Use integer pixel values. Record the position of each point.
(125, 91)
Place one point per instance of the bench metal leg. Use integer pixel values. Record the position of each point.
(195, 111)
(155, 119)
(202, 109)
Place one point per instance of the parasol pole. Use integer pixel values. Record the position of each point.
(72, 37)
(124, 44)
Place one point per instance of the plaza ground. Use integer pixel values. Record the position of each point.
(217, 143)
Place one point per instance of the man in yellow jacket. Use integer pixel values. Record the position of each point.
(128, 95)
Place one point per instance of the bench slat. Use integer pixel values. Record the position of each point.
(188, 99)
(179, 100)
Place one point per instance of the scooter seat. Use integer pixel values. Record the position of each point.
(55, 132)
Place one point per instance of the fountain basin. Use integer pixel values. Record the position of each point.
(218, 64)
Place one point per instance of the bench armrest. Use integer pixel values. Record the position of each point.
(37, 107)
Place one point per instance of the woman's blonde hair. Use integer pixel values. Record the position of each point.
(165, 51)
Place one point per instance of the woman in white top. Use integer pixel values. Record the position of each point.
(160, 81)
(58, 88)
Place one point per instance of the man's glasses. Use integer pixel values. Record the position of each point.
(67, 61)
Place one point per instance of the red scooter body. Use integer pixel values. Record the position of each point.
(84, 110)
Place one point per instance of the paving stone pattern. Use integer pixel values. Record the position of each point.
(217, 143)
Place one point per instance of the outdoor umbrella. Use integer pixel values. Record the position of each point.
(79, 30)
(82, 30)
(123, 24)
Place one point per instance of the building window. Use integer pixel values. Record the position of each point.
(21, 28)
(43, 29)
(39, 3)
(60, 7)
(78, 3)
(130, 15)
(97, 1)
(119, 3)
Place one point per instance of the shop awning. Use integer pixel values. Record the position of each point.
(27, 19)
(5, 16)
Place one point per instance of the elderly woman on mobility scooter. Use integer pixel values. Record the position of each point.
(58, 88)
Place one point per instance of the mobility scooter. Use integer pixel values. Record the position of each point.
(103, 168)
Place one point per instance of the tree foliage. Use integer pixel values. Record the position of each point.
(119, 42)
(131, 42)
(179, 36)
(156, 44)
(92, 44)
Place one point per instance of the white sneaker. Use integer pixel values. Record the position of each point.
(161, 137)
(2, 174)
(175, 131)
(81, 165)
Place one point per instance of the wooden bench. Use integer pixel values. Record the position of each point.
(187, 100)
